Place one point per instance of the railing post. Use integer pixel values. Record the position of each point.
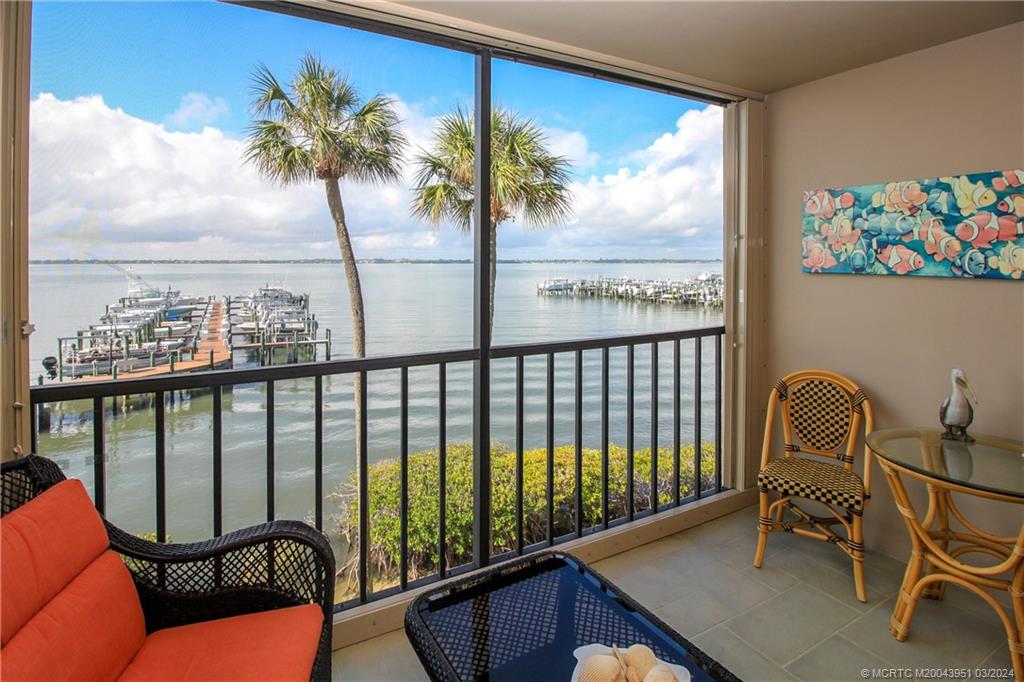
(218, 461)
(629, 432)
(676, 371)
(403, 505)
(718, 413)
(698, 393)
(442, 468)
(520, 361)
(318, 449)
(604, 435)
(364, 491)
(270, 450)
(99, 469)
(654, 428)
(549, 442)
(482, 313)
(161, 468)
(579, 443)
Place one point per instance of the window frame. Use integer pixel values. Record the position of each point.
(743, 178)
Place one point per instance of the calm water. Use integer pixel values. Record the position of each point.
(409, 308)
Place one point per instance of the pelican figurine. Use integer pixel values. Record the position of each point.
(956, 413)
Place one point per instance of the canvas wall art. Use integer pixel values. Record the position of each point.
(969, 226)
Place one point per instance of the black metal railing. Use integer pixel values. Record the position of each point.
(215, 382)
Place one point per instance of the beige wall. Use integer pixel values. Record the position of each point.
(954, 108)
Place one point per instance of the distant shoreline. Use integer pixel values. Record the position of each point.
(368, 261)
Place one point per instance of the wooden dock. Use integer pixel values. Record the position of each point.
(212, 353)
(707, 289)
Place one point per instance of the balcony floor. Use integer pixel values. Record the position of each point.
(795, 618)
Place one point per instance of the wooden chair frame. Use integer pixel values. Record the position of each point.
(771, 516)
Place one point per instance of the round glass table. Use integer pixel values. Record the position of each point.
(991, 468)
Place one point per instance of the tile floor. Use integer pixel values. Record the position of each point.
(796, 618)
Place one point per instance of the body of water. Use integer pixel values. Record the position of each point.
(410, 308)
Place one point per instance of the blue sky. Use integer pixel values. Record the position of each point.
(160, 72)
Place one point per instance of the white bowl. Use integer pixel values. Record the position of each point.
(584, 652)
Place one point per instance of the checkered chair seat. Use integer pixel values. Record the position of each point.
(813, 480)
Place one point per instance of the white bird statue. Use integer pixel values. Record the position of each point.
(956, 413)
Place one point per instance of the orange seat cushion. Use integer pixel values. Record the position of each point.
(44, 545)
(89, 631)
(274, 645)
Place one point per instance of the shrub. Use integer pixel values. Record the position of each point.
(424, 516)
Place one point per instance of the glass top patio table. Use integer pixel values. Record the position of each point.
(988, 465)
(523, 619)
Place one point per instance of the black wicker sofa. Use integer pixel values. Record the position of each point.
(204, 607)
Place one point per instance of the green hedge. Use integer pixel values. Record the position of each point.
(384, 499)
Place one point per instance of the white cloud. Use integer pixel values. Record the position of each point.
(134, 188)
(670, 204)
(197, 109)
(573, 145)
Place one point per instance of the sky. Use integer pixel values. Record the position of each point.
(138, 119)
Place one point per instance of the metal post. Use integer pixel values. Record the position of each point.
(481, 313)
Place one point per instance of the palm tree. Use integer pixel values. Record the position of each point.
(318, 128)
(527, 179)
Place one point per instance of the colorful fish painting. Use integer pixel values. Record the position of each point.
(905, 197)
(1014, 203)
(969, 226)
(817, 256)
(1010, 178)
(1009, 261)
(970, 196)
(938, 243)
(825, 204)
(983, 228)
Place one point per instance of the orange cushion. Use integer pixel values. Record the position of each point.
(89, 631)
(44, 544)
(274, 645)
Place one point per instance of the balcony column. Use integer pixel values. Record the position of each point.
(16, 437)
(481, 314)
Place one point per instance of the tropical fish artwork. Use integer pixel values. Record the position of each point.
(969, 226)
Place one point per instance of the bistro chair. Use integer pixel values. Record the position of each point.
(821, 414)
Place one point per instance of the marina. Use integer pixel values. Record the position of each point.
(271, 319)
(705, 289)
(152, 331)
(410, 308)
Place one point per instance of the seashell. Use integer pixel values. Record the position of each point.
(660, 673)
(641, 658)
(600, 668)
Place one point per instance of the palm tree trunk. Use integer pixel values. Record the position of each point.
(355, 295)
(348, 258)
(494, 277)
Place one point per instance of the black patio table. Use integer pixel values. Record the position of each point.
(521, 621)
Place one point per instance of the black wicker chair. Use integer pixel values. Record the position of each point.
(269, 566)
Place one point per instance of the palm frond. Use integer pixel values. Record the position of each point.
(269, 98)
(440, 202)
(527, 179)
(318, 127)
(269, 147)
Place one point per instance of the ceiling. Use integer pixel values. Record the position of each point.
(759, 46)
